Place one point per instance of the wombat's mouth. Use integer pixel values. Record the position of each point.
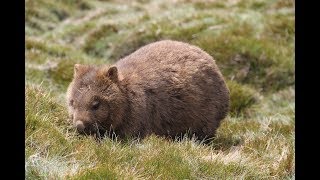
(95, 131)
(100, 133)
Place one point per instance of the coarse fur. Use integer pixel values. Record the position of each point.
(167, 88)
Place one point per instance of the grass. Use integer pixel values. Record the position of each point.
(252, 42)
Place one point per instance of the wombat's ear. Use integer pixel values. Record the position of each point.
(112, 73)
(78, 68)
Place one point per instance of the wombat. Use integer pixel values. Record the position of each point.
(167, 88)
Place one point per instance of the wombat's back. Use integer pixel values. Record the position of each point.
(177, 88)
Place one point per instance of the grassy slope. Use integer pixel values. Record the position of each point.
(253, 43)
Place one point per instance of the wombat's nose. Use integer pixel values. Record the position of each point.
(79, 125)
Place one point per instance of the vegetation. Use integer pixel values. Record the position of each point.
(252, 42)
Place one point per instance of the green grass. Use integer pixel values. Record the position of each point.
(252, 42)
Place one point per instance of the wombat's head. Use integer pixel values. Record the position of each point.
(95, 100)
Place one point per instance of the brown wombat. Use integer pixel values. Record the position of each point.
(167, 88)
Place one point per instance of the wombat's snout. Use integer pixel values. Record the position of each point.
(80, 126)
(84, 127)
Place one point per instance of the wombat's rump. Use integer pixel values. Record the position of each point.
(167, 88)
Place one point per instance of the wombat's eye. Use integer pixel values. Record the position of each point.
(71, 102)
(95, 105)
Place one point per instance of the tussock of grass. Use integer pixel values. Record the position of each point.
(251, 61)
(34, 45)
(241, 97)
(63, 73)
(252, 43)
(95, 43)
(40, 20)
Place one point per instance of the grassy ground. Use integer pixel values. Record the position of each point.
(252, 42)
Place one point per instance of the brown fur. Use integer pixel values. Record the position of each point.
(166, 88)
